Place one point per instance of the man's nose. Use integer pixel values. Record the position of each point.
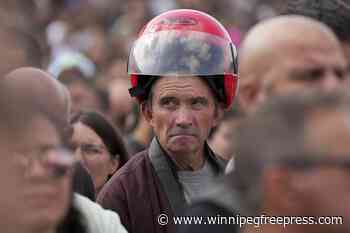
(184, 117)
(78, 154)
(37, 170)
(330, 81)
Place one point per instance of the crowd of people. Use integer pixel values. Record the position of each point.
(116, 113)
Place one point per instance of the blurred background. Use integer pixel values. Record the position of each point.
(84, 43)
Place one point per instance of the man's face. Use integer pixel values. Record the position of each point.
(221, 142)
(36, 199)
(299, 67)
(121, 103)
(325, 188)
(346, 50)
(182, 113)
(83, 97)
(9, 185)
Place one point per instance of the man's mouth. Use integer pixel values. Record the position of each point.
(182, 135)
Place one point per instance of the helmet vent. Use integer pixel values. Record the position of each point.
(179, 21)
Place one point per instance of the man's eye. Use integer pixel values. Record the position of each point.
(168, 102)
(198, 103)
(316, 74)
(341, 74)
(90, 149)
(310, 76)
(93, 150)
(72, 146)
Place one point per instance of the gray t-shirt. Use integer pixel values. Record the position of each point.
(195, 183)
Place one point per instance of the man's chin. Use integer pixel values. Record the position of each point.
(182, 145)
(183, 140)
(43, 219)
(182, 149)
(46, 212)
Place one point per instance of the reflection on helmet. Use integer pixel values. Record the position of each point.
(184, 43)
(180, 53)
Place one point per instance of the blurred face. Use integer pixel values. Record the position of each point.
(9, 180)
(182, 113)
(120, 101)
(93, 153)
(221, 143)
(13, 58)
(318, 67)
(292, 66)
(346, 49)
(324, 188)
(83, 97)
(98, 50)
(40, 173)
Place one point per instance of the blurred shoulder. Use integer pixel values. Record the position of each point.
(96, 218)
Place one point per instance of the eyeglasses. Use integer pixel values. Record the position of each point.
(89, 149)
(56, 160)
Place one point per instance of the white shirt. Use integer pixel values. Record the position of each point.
(97, 219)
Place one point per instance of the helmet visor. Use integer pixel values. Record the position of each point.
(181, 53)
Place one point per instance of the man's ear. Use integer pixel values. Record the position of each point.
(147, 113)
(248, 95)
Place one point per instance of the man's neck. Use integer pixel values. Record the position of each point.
(189, 162)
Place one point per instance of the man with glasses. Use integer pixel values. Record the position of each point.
(35, 167)
(294, 160)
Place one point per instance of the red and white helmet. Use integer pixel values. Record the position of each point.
(184, 43)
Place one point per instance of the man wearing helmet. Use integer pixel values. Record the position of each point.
(183, 72)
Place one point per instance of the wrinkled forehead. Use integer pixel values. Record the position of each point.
(182, 86)
(297, 61)
(309, 50)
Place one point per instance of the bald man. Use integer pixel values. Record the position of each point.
(41, 86)
(51, 95)
(334, 13)
(286, 54)
(33, 168)
(278, 56)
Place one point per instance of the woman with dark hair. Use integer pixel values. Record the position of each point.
(82, 182)
(98, 145)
